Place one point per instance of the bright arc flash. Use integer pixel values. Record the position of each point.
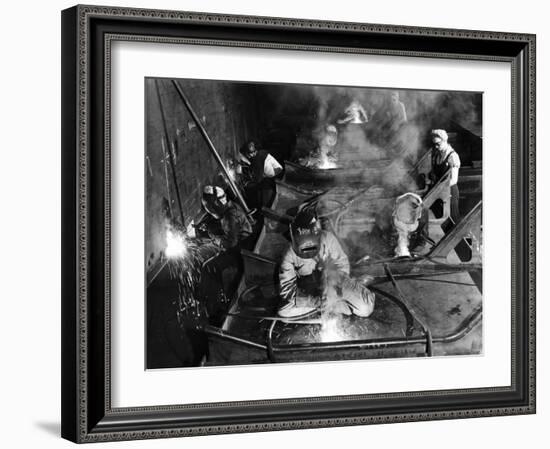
(331, 331)
(176, 247)
(326, 162)
(232, 173)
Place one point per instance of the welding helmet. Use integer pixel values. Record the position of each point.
(331, 135)
(408, 208)
(249, 150)
(305, 234)
(214, 200)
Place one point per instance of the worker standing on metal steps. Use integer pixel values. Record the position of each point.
(314, 272)
(231, 230)
(445, 158)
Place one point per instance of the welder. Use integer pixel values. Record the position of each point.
(314, 273)
(325, 155)
(355, 113)
(393, 113)
(231, 229)
(410, 223)
(259, 171)
(388, 125)
(444, 158)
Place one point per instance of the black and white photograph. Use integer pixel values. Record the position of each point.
(307, 223)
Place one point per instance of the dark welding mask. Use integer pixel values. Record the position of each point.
(214, 201)
(249, 150)
(305, 234)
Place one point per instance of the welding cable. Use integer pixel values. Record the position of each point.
(341, 211)
(312, 193)
(288, 320)
(442, 281)
(424, 327)
(269, 342)
(409, 319)
(216, 331)
(420, 275)
(419, 258)
(412, 258)
(428, 240)
(333, 211)
(343, 206)
(244, 316)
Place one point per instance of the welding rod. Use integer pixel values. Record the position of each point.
(211, 147)
(170, 155)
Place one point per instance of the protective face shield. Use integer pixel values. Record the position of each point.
(250, 151)
(305, 234)
(214, 201)
(354, 113)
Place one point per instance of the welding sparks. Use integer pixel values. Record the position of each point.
(176, 245)
(325, 162)
(232, 173)
(331, 330)
(186, 256)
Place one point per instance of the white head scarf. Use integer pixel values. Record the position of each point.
(441, 133)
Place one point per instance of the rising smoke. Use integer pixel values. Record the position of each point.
(388, 153)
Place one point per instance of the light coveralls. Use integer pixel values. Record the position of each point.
(302, 282)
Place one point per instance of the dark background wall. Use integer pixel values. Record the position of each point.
(229, 113)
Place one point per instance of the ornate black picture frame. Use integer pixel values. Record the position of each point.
(87, 35)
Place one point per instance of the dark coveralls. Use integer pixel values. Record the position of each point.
(220, 274)
(439, 168)
(259, 189)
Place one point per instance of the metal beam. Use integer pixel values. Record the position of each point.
(423, 326)
(470, 225)
(168, 149)
(211, 147)
(440, 191)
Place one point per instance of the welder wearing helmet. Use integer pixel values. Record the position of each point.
(324, 156)
(234, 225)
(259, 170)
(355, 113)
(410, 222)
(445, 158)
(313, 267)
(231, 230)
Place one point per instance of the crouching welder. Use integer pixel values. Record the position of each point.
(259, 169)
(410, 223)
(231, 230)
(314, 272)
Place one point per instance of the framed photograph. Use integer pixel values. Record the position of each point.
(285, 223)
